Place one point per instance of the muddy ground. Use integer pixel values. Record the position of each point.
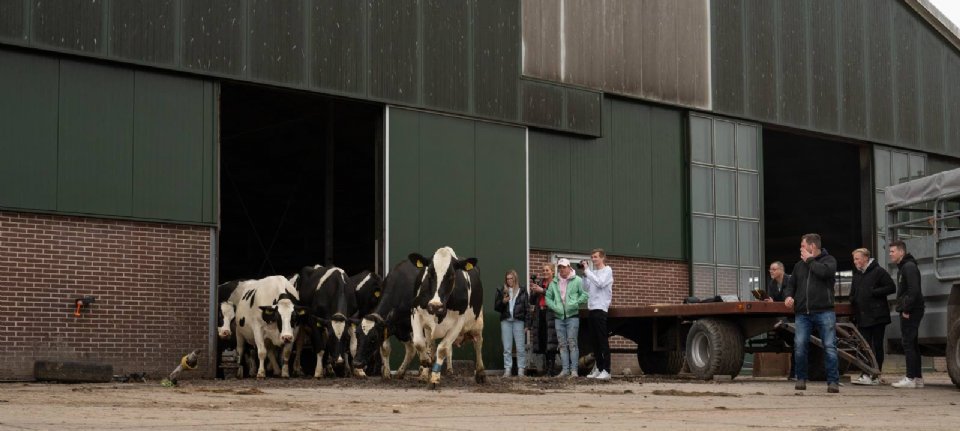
(533, 403)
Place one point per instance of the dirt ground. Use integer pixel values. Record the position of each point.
(532, 403)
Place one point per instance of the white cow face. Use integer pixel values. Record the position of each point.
(226, 316)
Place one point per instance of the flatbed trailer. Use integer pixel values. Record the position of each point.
(712, 338)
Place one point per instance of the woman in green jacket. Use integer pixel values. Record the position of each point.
(564, 297)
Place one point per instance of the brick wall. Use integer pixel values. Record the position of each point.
(151, 283)
(636, 282)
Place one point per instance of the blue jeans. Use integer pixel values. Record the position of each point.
(513, 331)
(826, 323)
(567, 331)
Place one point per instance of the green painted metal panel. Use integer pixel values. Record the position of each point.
(590, 203)
(501, 219)
(338, 41)
(631, 184)
(542, 104)
(28, 165)
(394, 51)
(932, 81)
(403, 186)
(211, 136)
(212, 36)
(583, 113)
(880, 115)
(11, 19)
(824, 109)
(906, 76)
(550, 190)
(497, 59)
(96, 139)
(951, 67)
(669, 215)
(447, 183)
(69, 24)
(446, 55)
(853, 87)
(168, 161)
(143, 30)
(277, 52)
(793, 68)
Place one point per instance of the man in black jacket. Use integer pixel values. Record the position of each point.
(868, 296)
(778, 280)
(910, 306)
(809, 293)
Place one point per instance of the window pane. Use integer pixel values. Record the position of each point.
(724, 134)
(748, 195)
(917, 163)
(726, 192)
(702, 239)
(881, 212)
(881, 165)
(726, 245)
(703, 281)
(747, 147)
(749, 243)
(900, 168)
(701, 189)
(727, 281)
(700, 141)
(749, 280)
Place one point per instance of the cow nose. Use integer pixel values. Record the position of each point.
(225, 334)
(287, 338)
(434, 307)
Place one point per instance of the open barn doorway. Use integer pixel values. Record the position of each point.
(299, 183)
(814, 185)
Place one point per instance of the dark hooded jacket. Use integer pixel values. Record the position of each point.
(868, 295)
(811, 284)
(520, 305)
(909, 295)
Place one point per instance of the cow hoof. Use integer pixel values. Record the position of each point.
(261, 376)
(480, 377)
(358, 372)
(433, 386)
(434, 378)
(285, 376)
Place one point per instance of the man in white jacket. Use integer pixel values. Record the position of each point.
(599, 286)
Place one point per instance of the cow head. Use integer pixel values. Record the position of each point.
(284, 312)
(438, 278)
(371, 332)
(224, 319)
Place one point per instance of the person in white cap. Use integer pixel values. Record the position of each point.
(564, 296)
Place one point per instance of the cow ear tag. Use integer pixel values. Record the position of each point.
(318, 324)
(376, 293)
(301, 312)
(419, 263)
(468, 266)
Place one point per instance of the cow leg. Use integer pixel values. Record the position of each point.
(287, 349)
(385, 360)
(480, 374)
(261, 351)
(420, 343)
(298, 349)
(272, 357)
(409, 352)
(448, 371)
(444, 349)
(241, 345)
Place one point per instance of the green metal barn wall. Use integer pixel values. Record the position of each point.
(865, 69)
(460, 183)
(624, 192)
(84, 138)
(458, 56)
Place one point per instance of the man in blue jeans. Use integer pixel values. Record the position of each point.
(809, 293)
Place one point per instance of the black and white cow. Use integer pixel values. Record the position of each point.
(390, 317)
(367, 289)
(267, 314)
(448, 307)
(331, 304)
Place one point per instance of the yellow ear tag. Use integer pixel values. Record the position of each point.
(268, 311)
(318, 324)
(301, 312)
(469, 266)
(376, 293)
(419, 263)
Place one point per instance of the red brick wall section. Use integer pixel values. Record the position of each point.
(636, 282)
(151, 283)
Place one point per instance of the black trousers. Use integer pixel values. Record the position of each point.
(909, 329)
(874, 336)
(598, 327)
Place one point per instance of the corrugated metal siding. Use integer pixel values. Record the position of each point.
(497, 59)
(69, 24)
(624, 192)
(276, 33)
(446, 54)
(143, 30)
(11, 19)
(338, 38)
(394, 52)
(862, 69)
(28, 167)
(542, 104)
(84, 138)
(212, 36)
(656, 49)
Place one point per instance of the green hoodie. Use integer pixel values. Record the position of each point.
(575, 297)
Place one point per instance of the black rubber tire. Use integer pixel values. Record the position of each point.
(666, 363)
(714, 347)
(953, 353)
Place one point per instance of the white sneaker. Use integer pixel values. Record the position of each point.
(593, 374)
(906, 382)
(573, 375)
(918, 381)
(563, 373)
(865, 380)
(506, 373)
(604, 375)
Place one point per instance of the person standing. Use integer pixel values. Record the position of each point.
(868, 296)
(564, 297)
(511, 301)
(910, 305)
(778, 281)
(599, 286)
(810, 294)
(543, 333)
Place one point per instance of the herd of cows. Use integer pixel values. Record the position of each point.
(348, 319)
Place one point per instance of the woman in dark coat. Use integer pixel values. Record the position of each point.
(543, 335)
(868, 295)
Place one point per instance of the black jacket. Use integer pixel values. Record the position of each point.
(811, 284)
(775, 291)
(519, 308)
(868, 295)
(909, 295)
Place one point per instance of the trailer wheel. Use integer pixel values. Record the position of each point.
(667, 363)
(953, 353)
(714, 347)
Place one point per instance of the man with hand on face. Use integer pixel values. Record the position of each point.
(809, 293)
